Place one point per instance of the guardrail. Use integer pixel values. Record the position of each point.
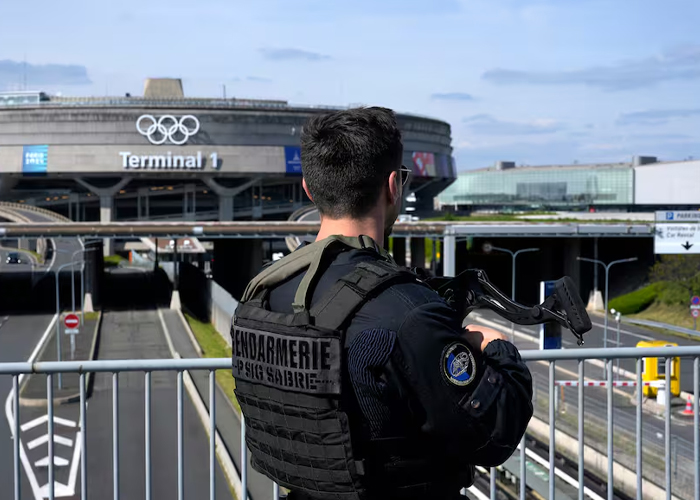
(182, 366)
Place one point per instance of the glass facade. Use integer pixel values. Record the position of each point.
(553, 186)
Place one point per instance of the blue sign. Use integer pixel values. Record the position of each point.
(550, 332)
(669, 215)
(695, 300)
(35, 159)
(292, 156)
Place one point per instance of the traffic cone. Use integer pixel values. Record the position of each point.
(688, 407)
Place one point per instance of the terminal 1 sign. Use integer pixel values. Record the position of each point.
(168, 129)
(167, 161)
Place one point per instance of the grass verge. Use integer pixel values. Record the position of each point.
(113, 260)
(213, 346)
(672, 314)
(92, 315)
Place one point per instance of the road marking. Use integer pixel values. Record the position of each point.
(57, 461)
(45, 439)
(558, 472)
(36, 489)
(626, 332)
(45, 418)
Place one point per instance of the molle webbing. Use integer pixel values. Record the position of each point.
(311, 257)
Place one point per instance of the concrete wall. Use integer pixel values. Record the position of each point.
(673, 183)
(222, 308)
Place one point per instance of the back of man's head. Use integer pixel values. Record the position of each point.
(347, 157)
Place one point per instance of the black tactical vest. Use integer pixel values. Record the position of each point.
(290, 378)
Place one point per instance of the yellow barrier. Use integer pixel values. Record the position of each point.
(654, 369)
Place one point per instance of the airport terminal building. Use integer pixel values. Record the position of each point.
(641, 185)
(164, 156)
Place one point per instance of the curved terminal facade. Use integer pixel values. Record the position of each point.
(166, 156)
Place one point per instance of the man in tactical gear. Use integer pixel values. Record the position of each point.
(356, 380)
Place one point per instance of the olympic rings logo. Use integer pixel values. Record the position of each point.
(168, 128)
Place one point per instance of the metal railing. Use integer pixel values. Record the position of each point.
(643, 487)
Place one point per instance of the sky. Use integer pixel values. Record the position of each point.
(532, 81)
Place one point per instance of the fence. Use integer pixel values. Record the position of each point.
(181, 368)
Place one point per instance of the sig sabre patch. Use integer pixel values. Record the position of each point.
(287, 362)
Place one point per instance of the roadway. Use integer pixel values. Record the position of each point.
(595, 398)
(28, 262)
(125, 335)
(19, 336)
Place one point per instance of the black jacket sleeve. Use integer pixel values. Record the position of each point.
(475, 406)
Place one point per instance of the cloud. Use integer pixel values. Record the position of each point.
(656, 117)
(13, 74)
(680, 63)
(488, 125)
(453, 96)
(290, 54)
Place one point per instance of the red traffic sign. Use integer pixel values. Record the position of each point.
(695, 313)
(71, 321)
(695, 300)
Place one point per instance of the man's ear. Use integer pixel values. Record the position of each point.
(394, 187)
(306, 189)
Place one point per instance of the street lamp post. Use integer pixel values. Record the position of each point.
(488, 248)
(618, 316)
(607, 275)
(58, 318)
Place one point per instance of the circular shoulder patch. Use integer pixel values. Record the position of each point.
(458, 365)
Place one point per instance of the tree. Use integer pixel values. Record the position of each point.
(681, 276)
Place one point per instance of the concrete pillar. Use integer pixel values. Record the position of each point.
(418, 252)
(449, 249)
(106, 203)
(226, 196)
(399, 250)
(225, 207)
(143, 203)
(94, 269)
(236, 262)
(106, 209)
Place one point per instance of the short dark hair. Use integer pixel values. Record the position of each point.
(346, 158)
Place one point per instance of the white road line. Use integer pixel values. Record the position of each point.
(558, 472)
(626, 332)
(57, 461)
(36, 489)
(76, 460)
(45, 439)
(40, 420)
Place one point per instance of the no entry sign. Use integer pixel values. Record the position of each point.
(71, 321)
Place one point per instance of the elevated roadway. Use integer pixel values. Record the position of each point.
(283, 229)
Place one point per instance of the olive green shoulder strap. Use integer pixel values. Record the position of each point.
(313, 257)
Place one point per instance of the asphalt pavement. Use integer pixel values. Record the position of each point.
(595, 398)
(138, 335)
(227, 420)
(19, 336)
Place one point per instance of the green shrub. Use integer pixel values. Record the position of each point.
(638, 300)
(675, 294)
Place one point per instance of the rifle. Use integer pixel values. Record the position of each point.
(472, 290)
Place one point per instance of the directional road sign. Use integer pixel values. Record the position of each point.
(678, 216)
(681, 239)
(72, 321)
